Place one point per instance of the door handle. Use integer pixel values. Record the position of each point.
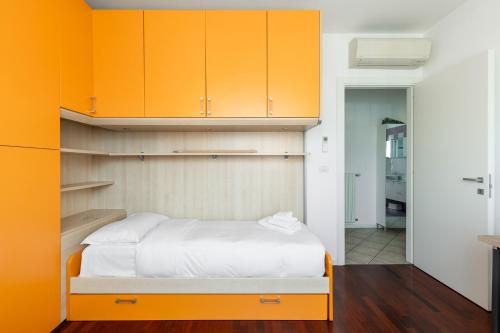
(476, 180)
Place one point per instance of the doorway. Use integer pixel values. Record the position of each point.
(376, 180)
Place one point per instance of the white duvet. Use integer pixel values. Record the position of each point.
(193, 248)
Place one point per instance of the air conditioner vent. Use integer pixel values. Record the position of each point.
(392, 53)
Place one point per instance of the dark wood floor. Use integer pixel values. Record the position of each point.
(393, 298)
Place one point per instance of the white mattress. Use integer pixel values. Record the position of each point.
(193, 248)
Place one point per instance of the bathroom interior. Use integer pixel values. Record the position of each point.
(376, 163)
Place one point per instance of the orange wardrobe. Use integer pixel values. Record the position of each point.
(29, 160)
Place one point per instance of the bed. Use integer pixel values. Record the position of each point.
(206, 270)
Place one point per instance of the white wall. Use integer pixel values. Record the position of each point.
(321, 168)
(364, 111)
(472, 28)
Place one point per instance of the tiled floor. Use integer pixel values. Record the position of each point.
(375, 246)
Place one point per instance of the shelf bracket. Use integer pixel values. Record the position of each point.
(141, 157)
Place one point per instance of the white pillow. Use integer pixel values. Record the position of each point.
(129, 230)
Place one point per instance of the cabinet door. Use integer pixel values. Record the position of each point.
(175, 63)
(236, 63)
(76, 56)
(29, 250)
(29, 79)
(293, 55)
(118, 63)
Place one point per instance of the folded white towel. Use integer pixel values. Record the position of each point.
(287, 228)
(282, 222)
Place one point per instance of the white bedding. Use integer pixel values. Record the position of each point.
(193, 248)
(109, 260)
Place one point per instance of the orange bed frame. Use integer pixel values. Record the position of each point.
(82, 307)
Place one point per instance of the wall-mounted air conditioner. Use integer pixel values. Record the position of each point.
(395, 53)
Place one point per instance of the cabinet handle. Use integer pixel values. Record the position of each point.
(126, 301)
(93, 100)
(202, 105)
(270, 106)
(264, 300)
(209, 106)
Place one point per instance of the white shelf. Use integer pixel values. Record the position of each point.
(83, 152)
(84, 185)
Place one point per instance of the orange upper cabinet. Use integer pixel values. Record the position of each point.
(76, 56)
(175, 63)
(118, 63)
(30, 255)
(236, 63)
(294, 63)
(29, 79)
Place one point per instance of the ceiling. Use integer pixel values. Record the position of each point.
(340, 16)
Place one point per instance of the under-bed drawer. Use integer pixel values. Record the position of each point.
(198, 307)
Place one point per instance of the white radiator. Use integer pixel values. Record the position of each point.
(350, 197)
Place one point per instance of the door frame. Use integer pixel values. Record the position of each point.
(372, 83)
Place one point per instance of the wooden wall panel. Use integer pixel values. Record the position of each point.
(233, 187)
(200, 187)
(75, 168)
(75, 135)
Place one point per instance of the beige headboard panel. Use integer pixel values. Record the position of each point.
(228, 187)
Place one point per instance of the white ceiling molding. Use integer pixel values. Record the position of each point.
(338, 16)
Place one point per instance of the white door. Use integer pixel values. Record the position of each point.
(453, 140)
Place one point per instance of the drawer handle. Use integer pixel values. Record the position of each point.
(276, 300)
(126, 301)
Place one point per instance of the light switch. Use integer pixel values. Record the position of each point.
(324, 147)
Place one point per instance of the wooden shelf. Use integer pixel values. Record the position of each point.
(83, 152)
(84, 185)
(243, 152)
(93, 218)
(208, 153)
